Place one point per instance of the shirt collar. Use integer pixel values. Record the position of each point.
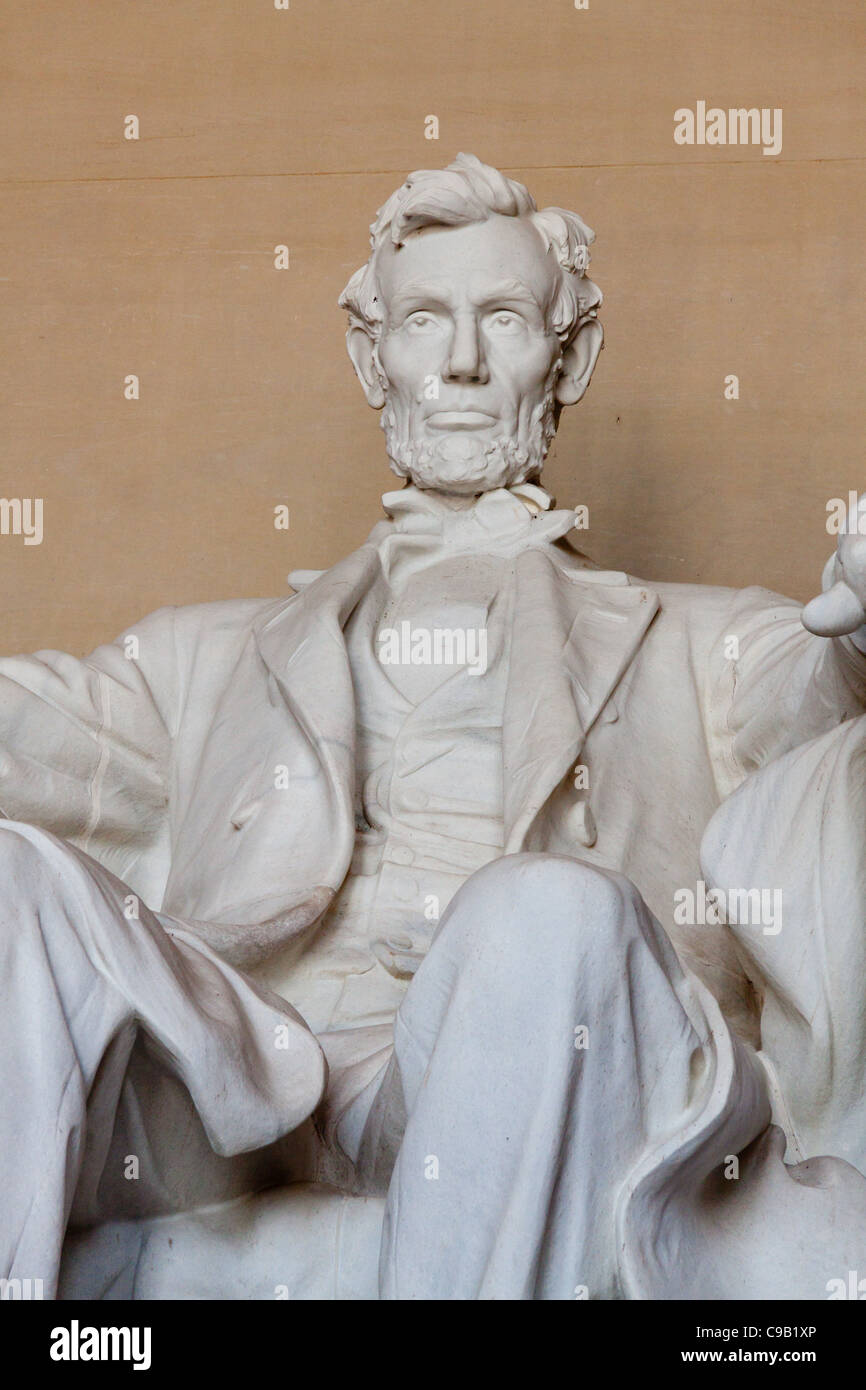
(425, 527)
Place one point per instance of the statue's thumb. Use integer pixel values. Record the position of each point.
(835, 612)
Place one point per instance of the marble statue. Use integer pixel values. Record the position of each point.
(473, 923)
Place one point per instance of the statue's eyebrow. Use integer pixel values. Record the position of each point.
(510, 291)
(418, 289)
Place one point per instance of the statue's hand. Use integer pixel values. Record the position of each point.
(841, 608)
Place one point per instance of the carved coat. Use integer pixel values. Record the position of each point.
(158, 757)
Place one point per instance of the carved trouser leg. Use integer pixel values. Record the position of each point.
(80, 981)
(549, 1040)
(541, 1161)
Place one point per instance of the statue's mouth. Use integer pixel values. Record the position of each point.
(460, 420)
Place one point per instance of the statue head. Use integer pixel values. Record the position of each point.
(471, 325)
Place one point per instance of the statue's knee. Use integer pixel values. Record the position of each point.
(35, 866)
(528, 879)
(21, 852)
(524, 898)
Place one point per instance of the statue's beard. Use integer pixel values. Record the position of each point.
(463, 462)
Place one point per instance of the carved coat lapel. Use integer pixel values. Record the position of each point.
(575, 632)
(250, 849)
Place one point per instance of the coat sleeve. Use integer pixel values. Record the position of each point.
(85, 748)
(773, 685)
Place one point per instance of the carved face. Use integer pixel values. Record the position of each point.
(468, 356)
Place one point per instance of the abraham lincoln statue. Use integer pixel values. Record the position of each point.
(339, 938)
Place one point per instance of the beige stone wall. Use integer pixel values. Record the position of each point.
(259, 127)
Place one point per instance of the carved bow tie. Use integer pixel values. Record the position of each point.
(425, 528)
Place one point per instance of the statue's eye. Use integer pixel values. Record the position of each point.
(420, 322)
(505, 321)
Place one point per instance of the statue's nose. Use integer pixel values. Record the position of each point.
(466, 355)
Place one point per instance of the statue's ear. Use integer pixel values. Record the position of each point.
(578, 362)
(361, 350)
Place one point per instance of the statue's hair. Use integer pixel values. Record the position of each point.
(469, 191)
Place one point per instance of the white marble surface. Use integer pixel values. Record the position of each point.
(369, 926)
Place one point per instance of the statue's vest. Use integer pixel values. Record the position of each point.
(428, 788)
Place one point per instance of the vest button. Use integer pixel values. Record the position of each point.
(405, 888)
(401, 854)
(398, 942)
